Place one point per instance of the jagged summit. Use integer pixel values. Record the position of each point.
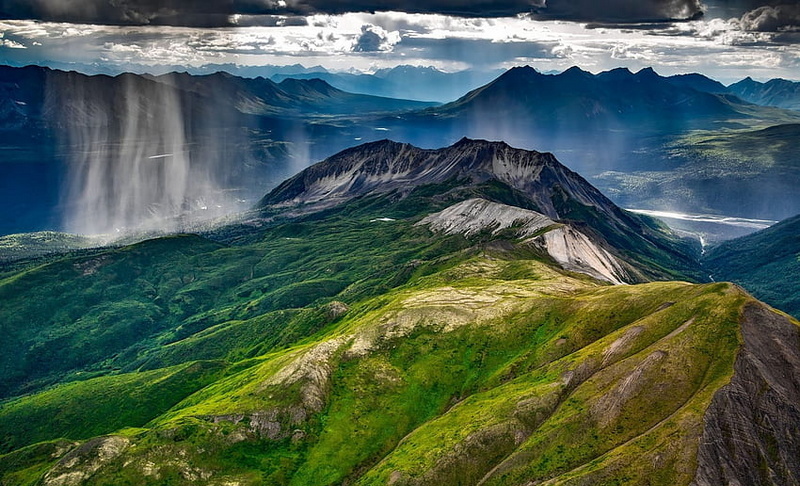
(575, 71)
(525, 70)
(384, 166)
(648, 71)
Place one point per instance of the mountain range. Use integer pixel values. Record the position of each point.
(475, 314)
(649, 142)
(243, 133)
(775, 92)
(406, 82)
(561, 111)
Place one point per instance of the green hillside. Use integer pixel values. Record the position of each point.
(498, 366)
(353, 345)
(766, 263)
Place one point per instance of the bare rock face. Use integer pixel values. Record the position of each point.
(384, 166)
(473, 216)
(751, 430)
(569, 247)
(79, 464)
(335, 310)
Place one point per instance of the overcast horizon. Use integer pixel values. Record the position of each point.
(726, 40)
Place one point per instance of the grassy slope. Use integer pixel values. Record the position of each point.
(440, 341)
(505, 362)
(95, 314)
(766, 263)
(100, 312)
(84, 409)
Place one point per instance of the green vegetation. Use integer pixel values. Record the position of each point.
(118, 308)
(97, 406)
(766, 263)
(427, 382)
(343, 347)
(27, 245)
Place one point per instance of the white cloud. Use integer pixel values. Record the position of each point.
(11, 44)
(720, 48)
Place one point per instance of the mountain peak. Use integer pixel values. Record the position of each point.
(385, 166)
(519, 72)
(575, 71)
(389, 171)
(648, 72)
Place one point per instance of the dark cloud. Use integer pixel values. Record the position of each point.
(621, 11)
(369, 40)
(195, 13)
(209, 13)
(588, 10)
(463, 8)
(770, 18)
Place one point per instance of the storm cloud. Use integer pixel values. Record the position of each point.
(620, 10)
(222, 13)
(778, 18)
(122, 12)
(375, 39)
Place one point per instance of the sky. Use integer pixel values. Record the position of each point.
(725, 39)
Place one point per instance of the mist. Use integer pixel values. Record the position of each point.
(135, 160)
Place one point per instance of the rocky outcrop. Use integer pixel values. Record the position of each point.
(81, 463)
(575, 251)
(477, 215)
(569, 247)
(751, 433)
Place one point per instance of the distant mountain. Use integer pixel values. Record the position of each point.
(264, 71)
(575, 99)
(526, 178)
(781, 93)
(766, 263)
(698, 82)
(34, 97)
(405, 82)
(293, 97)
